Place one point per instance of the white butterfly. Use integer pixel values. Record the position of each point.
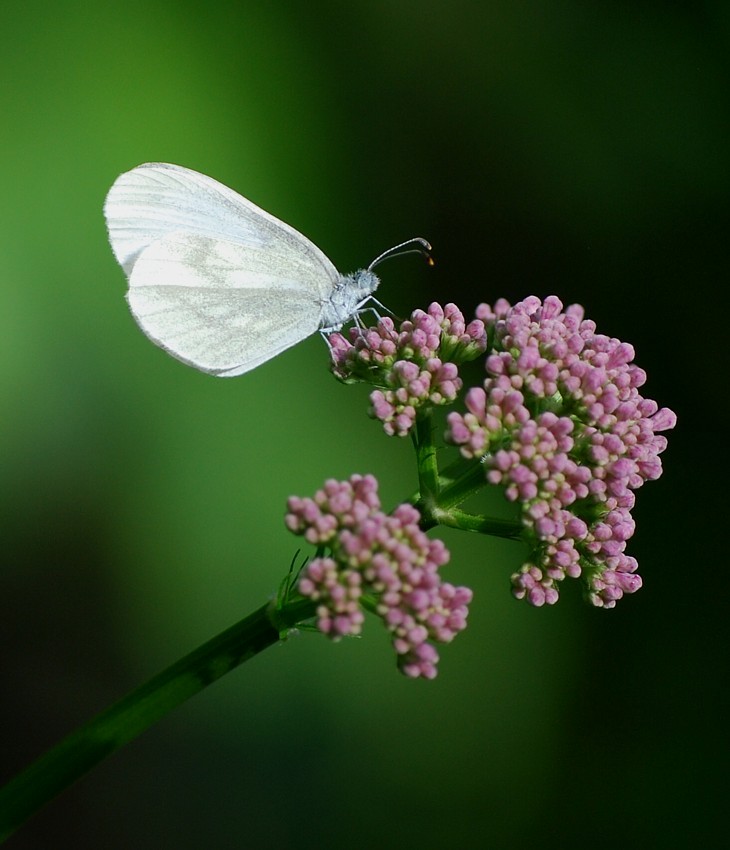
(216, 281)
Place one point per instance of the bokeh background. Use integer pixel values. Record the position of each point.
(567, 147)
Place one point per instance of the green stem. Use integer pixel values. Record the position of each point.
(456, 483)
(464, 521)
(135, 713)
(461, 488)
(428, 473)
(440, 492)
(455, 469)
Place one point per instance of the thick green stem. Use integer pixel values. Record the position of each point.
(135, 713)
(428, 473)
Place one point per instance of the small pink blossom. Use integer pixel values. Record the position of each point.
(413, 366)
(384, 556)
(560, 424)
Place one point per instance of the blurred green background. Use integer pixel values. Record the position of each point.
(568, 148)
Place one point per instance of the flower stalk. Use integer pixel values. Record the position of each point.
(426, 462)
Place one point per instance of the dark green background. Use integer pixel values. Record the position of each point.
(572, 148)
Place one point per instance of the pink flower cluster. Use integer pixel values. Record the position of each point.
(386, 557)
(413, 365)
(560, 424)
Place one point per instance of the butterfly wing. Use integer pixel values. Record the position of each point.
(213, 279)
(222, 307)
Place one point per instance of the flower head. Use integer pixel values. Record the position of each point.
(412, 366)
(560, 424)
(384, 557)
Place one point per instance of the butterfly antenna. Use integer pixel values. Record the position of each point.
(397, 251)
